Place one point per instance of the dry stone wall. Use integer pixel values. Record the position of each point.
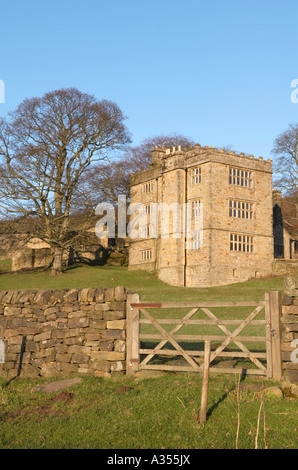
(57, 333)
(289, 331)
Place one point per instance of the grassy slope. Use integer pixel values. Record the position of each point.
(158, 413)
(141, 282)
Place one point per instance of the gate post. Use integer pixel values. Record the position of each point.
(133, 334)
(275, 315)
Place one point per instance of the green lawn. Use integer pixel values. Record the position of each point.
(140, 282)
(152, 413)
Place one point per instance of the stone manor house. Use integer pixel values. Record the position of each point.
(234, 192)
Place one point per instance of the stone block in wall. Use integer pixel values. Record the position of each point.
(42, 296)
(7, 297)
(2, 295)
(92, 337)
(74, 340)
(29, 370)
(98, 309)
(61, 348)
(114, 315)
(63, 357)
(117, 305)
(100, 365)
(81, 322)
(292, 327)
(79, 349)
(32, 346)
(287, 300)
(14, 348)
(50, 310)
(71, 295)
(120, 293)
(17, 322)
(118, 366)
(113, 334)
(291, 309)
(78, 358)
(9, 365)
(43, 336)
(9, 311)
(49, 369)
(291, 375)
(100, 295)
(287, 336)
(91, 295)
(109, 294)
(289, 319)
(107, 356)
(60, 334)
(15, 340)
(120, 345)
(116, 325)
(106, 345)
(87, 295)
(97, 324)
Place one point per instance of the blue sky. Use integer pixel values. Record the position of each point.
(216, 71)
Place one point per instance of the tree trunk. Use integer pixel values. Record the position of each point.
(57, 262)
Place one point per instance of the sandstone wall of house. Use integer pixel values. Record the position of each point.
(289, 331)
(57, 333)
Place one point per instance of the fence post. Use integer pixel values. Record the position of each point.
(204, 398)
(133, 334)
(275, 314)
(268, 336)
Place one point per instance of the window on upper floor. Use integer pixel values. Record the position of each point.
(147, 188)
(195, 208)
(238, 177)
(196, 176)
(240, 209)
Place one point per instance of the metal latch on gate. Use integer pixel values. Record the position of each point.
(273, 331)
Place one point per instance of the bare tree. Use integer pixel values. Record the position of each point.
(286, 163)
(46, 146)
(110, 180)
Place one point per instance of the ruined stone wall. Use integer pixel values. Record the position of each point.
(284, 266)
(63, 332)
(289, 331)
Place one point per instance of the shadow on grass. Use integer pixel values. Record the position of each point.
(224, 396)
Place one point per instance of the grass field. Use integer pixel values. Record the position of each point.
(135, 413)
(140, 282)
(152, 413)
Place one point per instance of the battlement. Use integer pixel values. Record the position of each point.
(164, 153)
(177, 157)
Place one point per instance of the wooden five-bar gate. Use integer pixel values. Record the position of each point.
(165, 342)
